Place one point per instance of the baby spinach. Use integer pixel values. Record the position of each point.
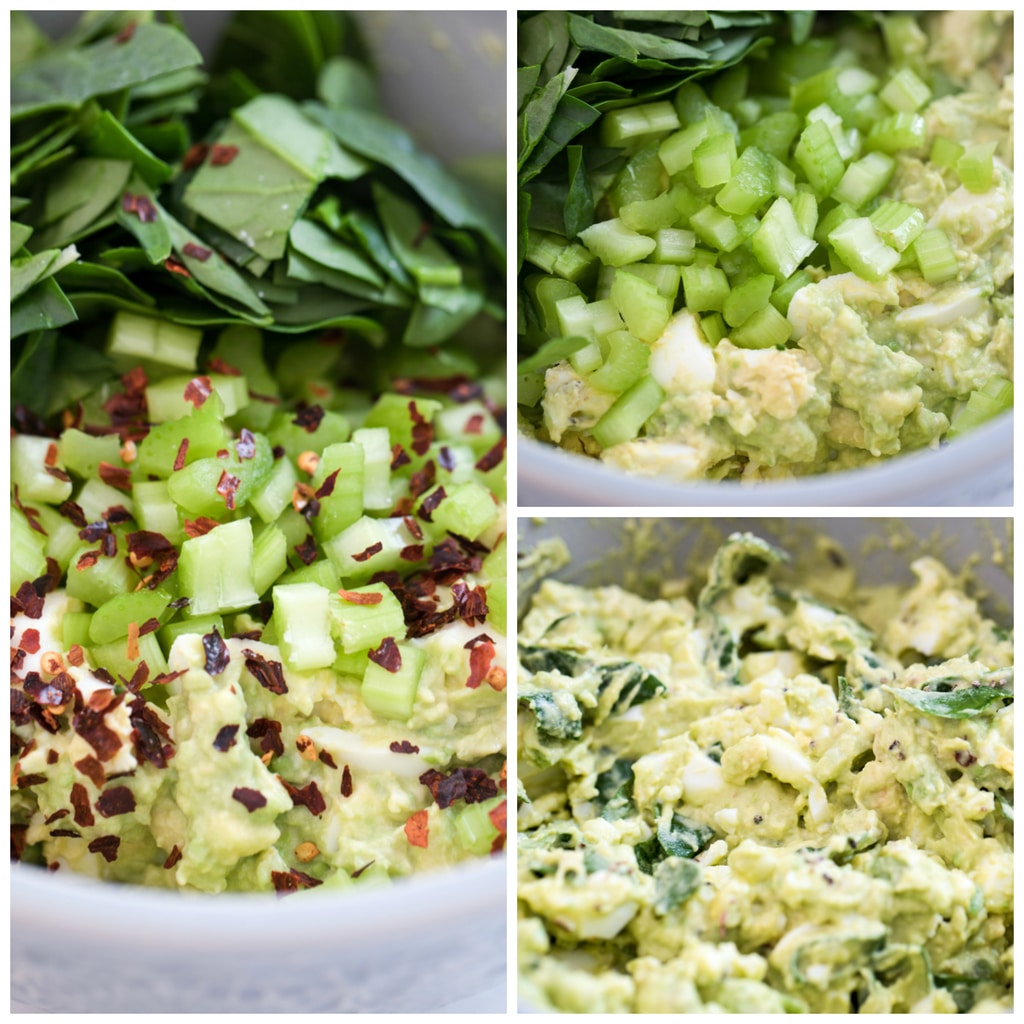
(968, 702)
(261, 189)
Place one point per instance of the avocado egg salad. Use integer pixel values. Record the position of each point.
(762, 245)
(758, 797)
(257, 467)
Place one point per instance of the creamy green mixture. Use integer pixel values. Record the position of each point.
(759, 798)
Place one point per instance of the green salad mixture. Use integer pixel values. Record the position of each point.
(257, 465)
(762, 245)
(749, 795)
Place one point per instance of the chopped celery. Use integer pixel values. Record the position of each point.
(301, 612)
(134, 338)
(673, 245)
(216, 571)
(614, 244)
(976, 168)
(625, 363)
(898, 224)
(82, 453)
(897, 131)
(113, 618)
(365, 616)
(644, 310)
(994, 397)
(36, 470)
(819, 157)
(716, 229)
(165, 399)
(705, 288)
(392, 694)
(474, 826)
(905, 92)
(745, 300)
(625, 124)
(713, 160)
(269, 557)
(779, 244)
(935, 256)
(764, 329)
(750, 184)
(27, 557)
(945, 152)
(864, 179)
(859, 246)
(649, 215)
(628, 413)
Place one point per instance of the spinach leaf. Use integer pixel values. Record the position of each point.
(557, 717)
(969, 702)
(675, 881)
(676, 837)
(68, 77)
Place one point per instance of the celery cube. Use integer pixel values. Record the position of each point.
(467, 509)
(393, 694)
(365, 625)
(36, 470)
(215, 569)
(301, 611)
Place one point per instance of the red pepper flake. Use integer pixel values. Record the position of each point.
(194, 156)
(309, 417)
(369, 552)
(172, 858)
(57, 693)
(245, 446)
(107, 846)
(57, 474)
(80, 802)
(52, 757)
(399, 457)
(470, 784)
(491, 458)
(326, 489)
(29, 642)
(140, 676)
(403, 747)
(50, 458)
(417, 830)
(217, 655)
(308, 796)
(269, 674)
(141, 206)
(355, 597)
(411, 553)
(445, 458)
(179, 458)
(472, 604)
(27, 601)
(151, 625)
(481, 654)
(132, 646)
(292, 880)
(92, 770)
(414, 528)
(250, 799)
(325, 757)
(56, 816)
(346, 782)
(422, 431)
(221, 155)
(499, 819)
(28, 781)
(175, 267)
(116, 800)
(31, 514)
(198, 390)
(199, 527)
(150, 735)
(227, 488)
(89, 724)
(268, 732)
(126, 33)
(307, 549)
(475, 424)
(76, 655)
(430, 503)
(388, 656)
(197, 252)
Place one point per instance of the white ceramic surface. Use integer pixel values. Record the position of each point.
(975, 471)
(432, 943)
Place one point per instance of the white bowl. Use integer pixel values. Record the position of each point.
(420, 944)
(975, 470)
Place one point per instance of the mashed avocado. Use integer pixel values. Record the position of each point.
(757, 797)
(235, 772)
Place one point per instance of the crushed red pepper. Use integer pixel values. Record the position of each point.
(107, 846)
(80, 802)
(417, 830)
(197, 252)
(292, 880)
(354, 597)
(346, 782)
(221, 155)
(309, 417)
(403, 747)
(492, 457)
(269, 674)
(369, 552)
(217, 655)
(175, 267)
(116, 800)
(473, 785)
(250, 799)
(172, 858)
(198, 390)
(227, 488)
(268, 732)
(388, 656)
(308, 796)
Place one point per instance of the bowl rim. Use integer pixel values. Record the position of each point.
(99, 911)
(985, 456)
